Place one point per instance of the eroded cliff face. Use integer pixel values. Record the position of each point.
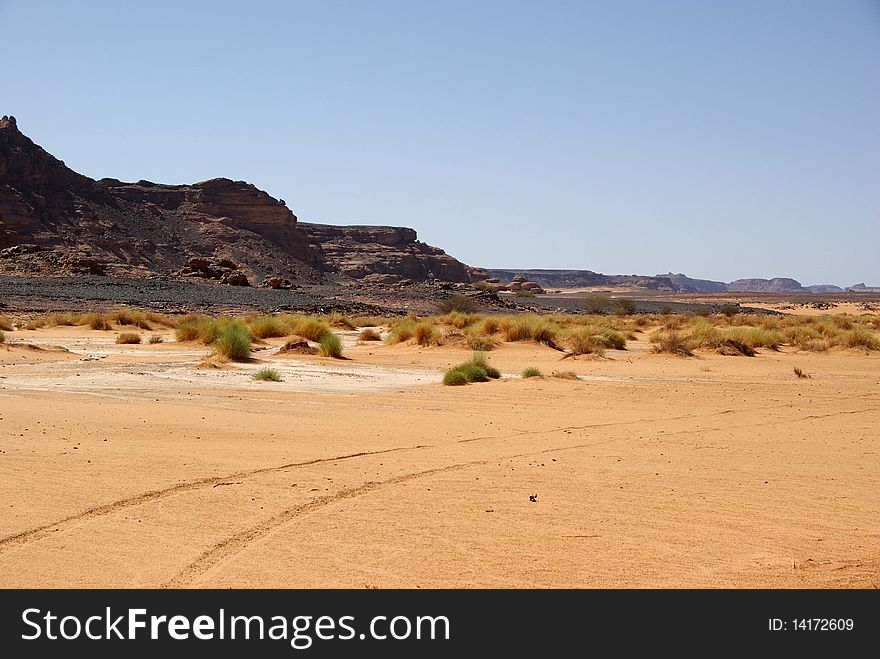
(382, 254)
(66, 223)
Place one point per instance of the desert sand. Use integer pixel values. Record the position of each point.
(130, 466)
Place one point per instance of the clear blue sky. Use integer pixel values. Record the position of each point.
(723, 139)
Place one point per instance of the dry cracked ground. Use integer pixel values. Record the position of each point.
(131, 466)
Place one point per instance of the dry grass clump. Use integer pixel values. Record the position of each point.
(593, 340)
(459, 319)
(801, 375)
(426, 334)
(330, 346)
(56, 319)
(489, 326)
(401, 330)
(369, 334)
(858, 337)
(670, 342)
(128, 337)
(156, 338)
(529, 327)
(340, 321)
(564, 375)
(5, 323)
(531, 372)
(584, 342)
(95, 321)
(266, 327)
(133, 317)
(308, 327)
(2, 337)
(368, 321)
(477, 341)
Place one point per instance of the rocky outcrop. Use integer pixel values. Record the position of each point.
(79, 225)
(381, 254)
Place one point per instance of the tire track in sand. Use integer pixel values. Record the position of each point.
(24, 537)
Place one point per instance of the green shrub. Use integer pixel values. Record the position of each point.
(596, 304)
(267, 374)
(233, 342)
(476, 370)
(622, 306)
(330, 346)
(729, 310)
(531, 372)
(479, 359)
(454, 378)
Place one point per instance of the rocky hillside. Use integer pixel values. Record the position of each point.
(54, 221)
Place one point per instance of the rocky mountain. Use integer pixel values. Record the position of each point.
(54, 221)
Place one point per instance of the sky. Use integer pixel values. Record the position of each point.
(723, 139)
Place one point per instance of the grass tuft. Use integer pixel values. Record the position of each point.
(531, 372)
(330, 346)
(267, 375)
(128, 338)
(233, 342)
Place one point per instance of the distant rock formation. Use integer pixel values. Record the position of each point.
(59, 222)
(824, 288)
(583, 279)
(775, 285)
(381, 254)
(696, 285)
